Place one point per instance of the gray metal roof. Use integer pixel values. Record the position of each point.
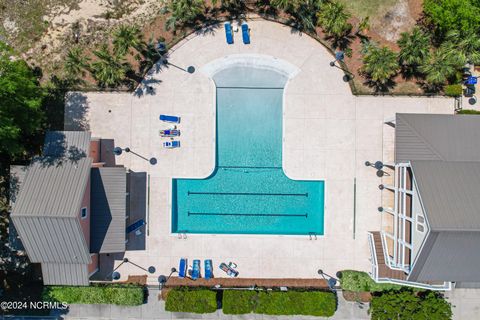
(65, 274)
(449, 192)
(52, 239)
(17, 175)
(53, 190)
(437, 137)
(448, 256)
(66, 144)
(47, 206)
(108, 209)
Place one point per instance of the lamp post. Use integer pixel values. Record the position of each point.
(118, 151)
(163, 280)
(190, 69)
(339, 56)
(116, 275)
(331, 282)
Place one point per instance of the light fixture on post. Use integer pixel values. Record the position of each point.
(331, 282)
(118, 151)
(340, 56)
(163, 280)
(190, 69)
(116, 275)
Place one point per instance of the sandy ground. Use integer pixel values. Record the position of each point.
(396, 20)
(89, 18)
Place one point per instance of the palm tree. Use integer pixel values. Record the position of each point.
(414, 49)
(363, 26)
(110, 70)
(75, 62)
(443, 64)
(467, 43)
(333, 18)
(380, 64)
(182, 12)
(126, 37)
(284, 5)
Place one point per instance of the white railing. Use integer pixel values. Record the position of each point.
(446, 286)
(373, 260)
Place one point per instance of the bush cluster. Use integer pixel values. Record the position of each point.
(358, 281)
(96, 294)
(314, 303)
(453, 90)
(191, 300)
(407, 304)
(468, 111)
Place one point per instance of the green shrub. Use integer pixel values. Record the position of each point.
(314, 303)
(447, 15)
(95, 294)
(191, 300)
(358, 281)
(468, 111)
(238, 301)
(404, 304)
(453, 90)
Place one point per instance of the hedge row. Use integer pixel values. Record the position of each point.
(191, 300)
(313, 303)
(95, 294)
(358, 281)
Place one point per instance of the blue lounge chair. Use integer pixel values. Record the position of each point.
(229, 32)
(182, 269)
(171, 144)
(245, 33)
(196, 269)
(172, 119)
(208, 269)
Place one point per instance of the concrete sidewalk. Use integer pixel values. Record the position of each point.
(155, 309)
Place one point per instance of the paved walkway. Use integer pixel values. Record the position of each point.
(339, 133)
(466, 303)
(155, 309)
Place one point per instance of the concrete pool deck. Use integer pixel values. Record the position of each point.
(328, 135)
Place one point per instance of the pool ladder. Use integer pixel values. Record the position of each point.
(312, 236)
(182, 235)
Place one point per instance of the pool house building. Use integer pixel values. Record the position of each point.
(69, 207)
(431, 209)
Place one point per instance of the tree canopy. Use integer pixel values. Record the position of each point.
(447, 15)
(21, 114)
(409, 305)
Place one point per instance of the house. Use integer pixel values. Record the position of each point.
(71, 207)
(431, 234)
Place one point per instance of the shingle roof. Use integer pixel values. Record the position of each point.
(108, 209)
(437, 137)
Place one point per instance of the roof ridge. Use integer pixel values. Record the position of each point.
(420, 137)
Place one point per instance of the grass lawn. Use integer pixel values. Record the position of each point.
(368, 8)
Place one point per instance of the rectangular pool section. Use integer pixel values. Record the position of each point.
(248, 193)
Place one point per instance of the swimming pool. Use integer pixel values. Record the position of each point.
(248, 193)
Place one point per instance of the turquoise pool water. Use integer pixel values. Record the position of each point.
(248, 193)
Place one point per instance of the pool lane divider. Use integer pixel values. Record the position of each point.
(248, 214)
(249, 194)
